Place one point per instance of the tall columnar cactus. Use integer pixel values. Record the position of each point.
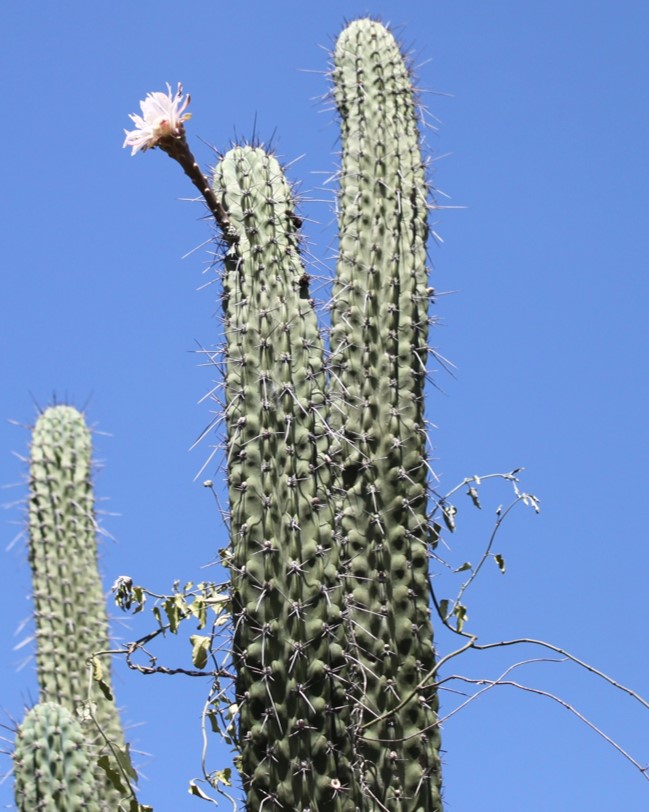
(69, 605)
(288, 640)
(52, 767)
(379, 327)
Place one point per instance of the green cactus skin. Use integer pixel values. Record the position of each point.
(69, 607)
(52, 768)
(379, 324)
(288, 638)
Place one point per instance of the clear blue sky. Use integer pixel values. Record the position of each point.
(542, 119)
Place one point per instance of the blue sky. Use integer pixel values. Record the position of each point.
(541, 115)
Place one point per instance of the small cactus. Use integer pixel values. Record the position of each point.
(69, 606)
(52, 766)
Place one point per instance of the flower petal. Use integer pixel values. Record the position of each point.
(162, 114)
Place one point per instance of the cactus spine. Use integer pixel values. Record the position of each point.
(52, 766)
(69, 608)
(327, 480)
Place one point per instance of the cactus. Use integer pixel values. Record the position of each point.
(327, 474)
(288, 641)
(327, 484)
(379, 325)
(69, 606)
(52, 767)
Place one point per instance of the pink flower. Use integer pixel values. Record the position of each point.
(162, 115)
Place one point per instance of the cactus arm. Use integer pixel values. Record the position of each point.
(379, 323)
(288, 637)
